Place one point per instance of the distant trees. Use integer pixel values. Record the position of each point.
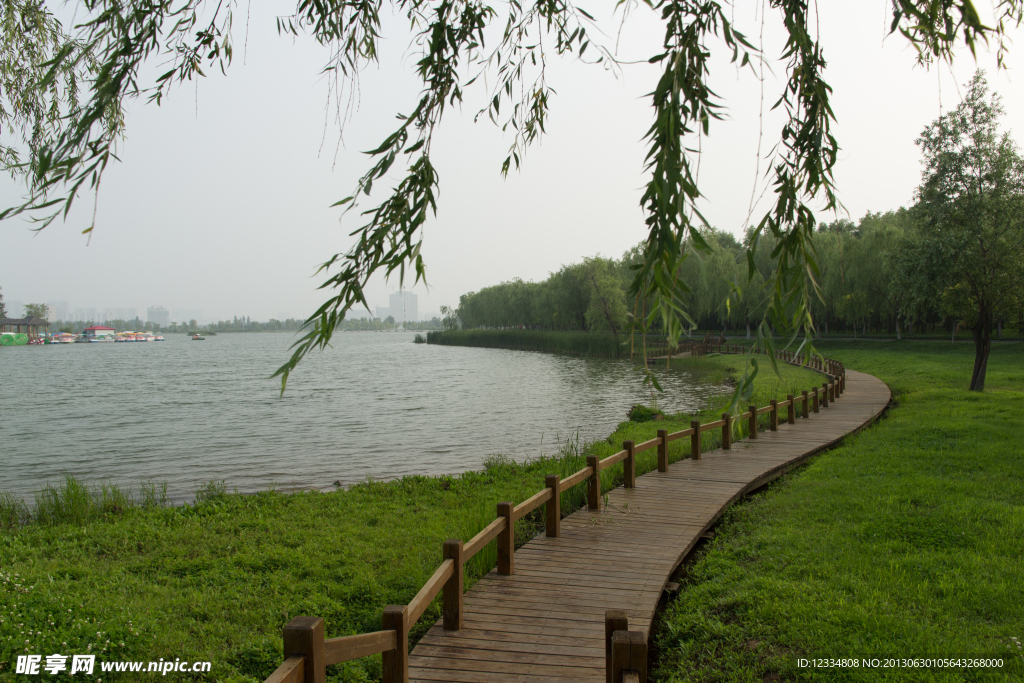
(874, 278)
(3, 307)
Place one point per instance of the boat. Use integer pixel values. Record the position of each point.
(198, 337)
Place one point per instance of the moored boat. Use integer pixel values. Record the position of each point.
(198, 337)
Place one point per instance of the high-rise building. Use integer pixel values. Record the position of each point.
(59, 310)
(158, 315)
(403, 306)
(86, 315)
(383, 312)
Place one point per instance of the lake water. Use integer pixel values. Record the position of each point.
(376, 405)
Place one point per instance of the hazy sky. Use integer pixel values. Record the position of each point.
(222, 200)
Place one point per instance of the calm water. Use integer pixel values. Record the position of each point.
(376, 405)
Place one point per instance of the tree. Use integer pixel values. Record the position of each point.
(3, 307)
(36, 311)
(449, 318)
(607, 310)
(971, 218)
(190, 35)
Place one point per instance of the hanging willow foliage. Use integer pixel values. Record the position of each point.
(118, 36)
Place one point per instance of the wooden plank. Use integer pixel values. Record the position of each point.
(337, 650)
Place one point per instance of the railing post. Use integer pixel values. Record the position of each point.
(614, 620)
(628, 466)
(553, 508)
(593, 484)
(663, 450)
(773, 417)
(814, 396)
(451, 598)
(804, 394)
(824, 395)
(506, 541)
(695, 439)
(396, 662)
(752, 427)
(629, 653)
(791, 413)
(832, 384)
(727, 432)
(305, 636)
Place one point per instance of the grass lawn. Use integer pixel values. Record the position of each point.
(217, 580)
(907, 541)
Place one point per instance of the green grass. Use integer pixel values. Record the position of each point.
(907, 541)
(216, 580)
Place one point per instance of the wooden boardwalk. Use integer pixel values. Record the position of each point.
(546, 622)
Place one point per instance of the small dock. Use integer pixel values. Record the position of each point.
(546, 621)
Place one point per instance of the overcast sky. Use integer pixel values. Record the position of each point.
(222, 200)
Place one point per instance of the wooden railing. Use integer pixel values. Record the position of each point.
(307, 653)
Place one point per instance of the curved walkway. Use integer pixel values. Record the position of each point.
(547, 621)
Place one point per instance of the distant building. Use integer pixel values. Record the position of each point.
(383, 312)
(403, 306)
(59, 310)
(85, 314)
(117, 314)
(15, 309)
(100, 332)
(158, 315)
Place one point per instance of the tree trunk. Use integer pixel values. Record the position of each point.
(898, 337)
(982, 347)
(748, 329)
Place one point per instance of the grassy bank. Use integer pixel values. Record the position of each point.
(905, 542)
(126, 577)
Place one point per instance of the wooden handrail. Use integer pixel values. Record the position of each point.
(338, 650)
(605, 463)
(486, 535)
(530, 504)
(647, 445)
(292, 670)
(573, 479)
(419, 604)
(680, 435)
(305, 634)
